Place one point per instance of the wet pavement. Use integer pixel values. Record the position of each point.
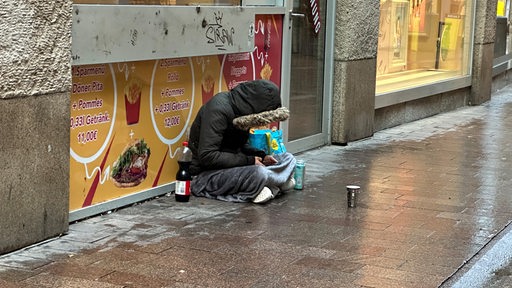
(435, 203)
(491, 267)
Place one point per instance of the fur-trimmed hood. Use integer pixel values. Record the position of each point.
(254, 97)
(261, 119)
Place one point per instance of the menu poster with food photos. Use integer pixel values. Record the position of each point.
(129, 119)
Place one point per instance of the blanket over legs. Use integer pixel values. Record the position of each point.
(242, 184)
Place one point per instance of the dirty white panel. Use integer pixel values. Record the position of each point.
(118, 33)
(263, 2)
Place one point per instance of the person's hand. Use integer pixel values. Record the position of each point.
(269, 160)
(258, 161)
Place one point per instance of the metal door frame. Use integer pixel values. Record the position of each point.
(324, 137)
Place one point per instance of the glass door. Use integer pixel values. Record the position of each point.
(307, 126)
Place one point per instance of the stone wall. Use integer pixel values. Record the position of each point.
(402, 113)
(483, 52)
(35, 81)
(355, 54)
(501, 80)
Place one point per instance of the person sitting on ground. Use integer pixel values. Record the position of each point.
(224, 166)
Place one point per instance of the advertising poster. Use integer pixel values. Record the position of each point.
(128, 119)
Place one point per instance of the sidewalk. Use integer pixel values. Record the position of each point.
(434, 193)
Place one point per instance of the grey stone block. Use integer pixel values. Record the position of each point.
(388, 117)
(454, 99)
(34, 192)
(422, 108)
(483, 55)
(485, 22)
(399, 114)
(357, 29)
(37, 35)
(353, 100)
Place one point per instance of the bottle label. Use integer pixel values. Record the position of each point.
(182, 187)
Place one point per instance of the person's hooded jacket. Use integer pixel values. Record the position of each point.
(214, 141)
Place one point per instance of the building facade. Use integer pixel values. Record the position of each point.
(34, 108)
(347, 69)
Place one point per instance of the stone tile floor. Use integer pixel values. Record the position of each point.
(433, 194)
(490, 268)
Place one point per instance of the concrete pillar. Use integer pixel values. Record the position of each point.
(355, 54)
(483, 52)
(35, 82)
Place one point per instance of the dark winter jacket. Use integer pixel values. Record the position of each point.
(214, 141)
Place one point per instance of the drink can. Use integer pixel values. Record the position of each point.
(300, 170)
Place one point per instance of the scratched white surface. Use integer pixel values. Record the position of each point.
(118, 33)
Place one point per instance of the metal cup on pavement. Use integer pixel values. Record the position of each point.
(352, 193)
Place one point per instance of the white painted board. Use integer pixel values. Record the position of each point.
(119, 33)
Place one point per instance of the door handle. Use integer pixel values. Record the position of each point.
(297, 14)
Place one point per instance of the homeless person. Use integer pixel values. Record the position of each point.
(223, 166)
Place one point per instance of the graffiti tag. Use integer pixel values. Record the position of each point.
(217, 34)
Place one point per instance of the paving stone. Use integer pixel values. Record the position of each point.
(7, 284)
(381, 282)
(53, 281)
(402, 276)
(15, 260)
(75, 271)
(134, 280)
(12, 275)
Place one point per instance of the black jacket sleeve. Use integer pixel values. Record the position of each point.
(248, 150)
(215, 123)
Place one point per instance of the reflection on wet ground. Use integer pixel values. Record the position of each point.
(433, 194)
(491, 267)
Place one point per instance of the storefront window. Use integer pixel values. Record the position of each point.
(501, 8)
(507, 14)
(422, 42)
(161, 2)
(501, 41)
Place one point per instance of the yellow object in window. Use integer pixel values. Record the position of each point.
(500, 11)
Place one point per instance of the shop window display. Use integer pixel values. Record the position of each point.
(422, 42)
(502, 42)
(501, 8)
